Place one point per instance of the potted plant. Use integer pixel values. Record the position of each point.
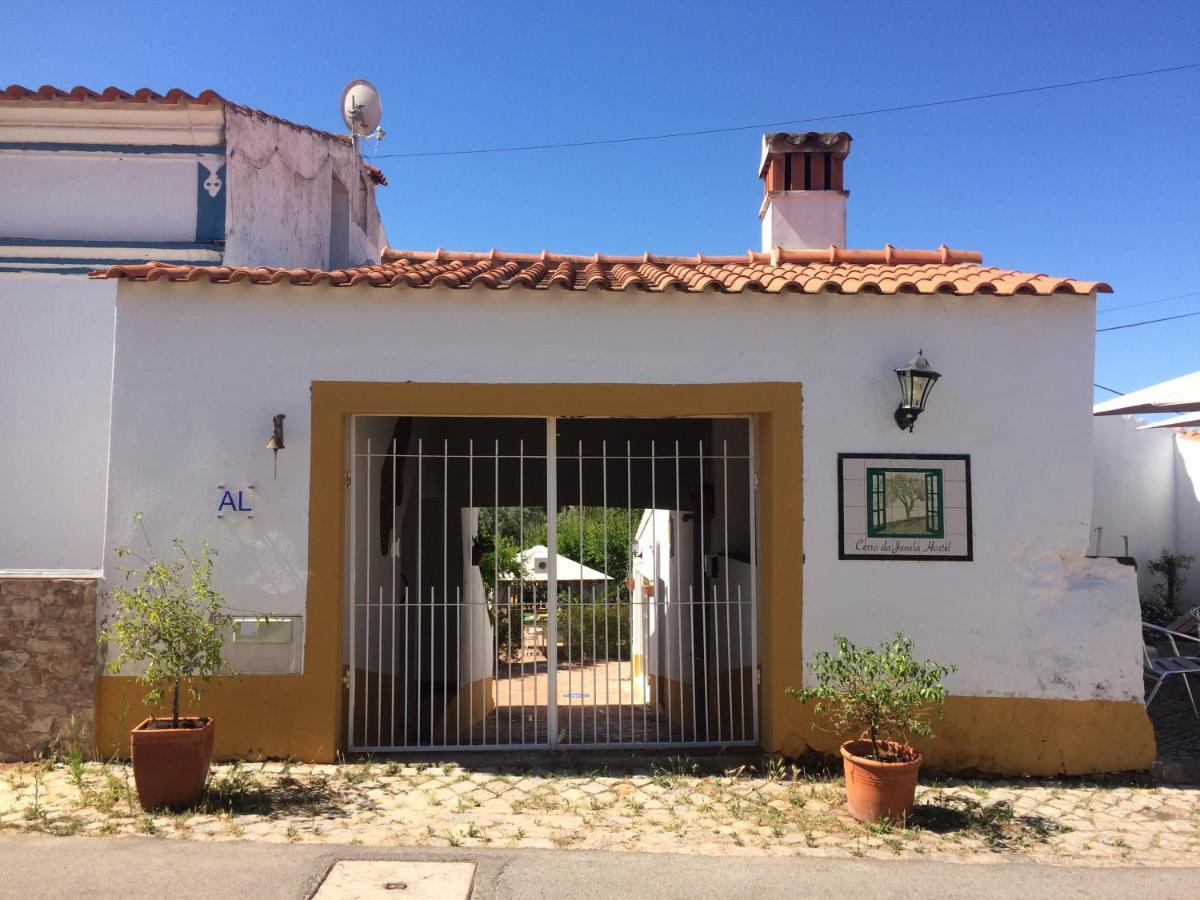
(883, 697)
(169, 621)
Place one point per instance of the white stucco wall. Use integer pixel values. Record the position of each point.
(804, 220)
(279, 179)
(1134, 491)
(201, 368)
(100, 171)
(98, 197)
(56, 352)
(1147, 486)
(1187, 510)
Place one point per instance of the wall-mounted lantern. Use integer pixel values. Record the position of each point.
(916, 381)
(275, 444)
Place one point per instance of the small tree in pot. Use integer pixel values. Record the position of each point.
(169, 621)
(885, 697)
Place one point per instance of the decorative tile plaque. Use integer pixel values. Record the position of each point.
(904, 506)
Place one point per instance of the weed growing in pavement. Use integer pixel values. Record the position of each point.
(75, 768)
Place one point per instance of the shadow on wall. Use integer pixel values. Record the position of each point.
(1187, 505)
(1146, 496)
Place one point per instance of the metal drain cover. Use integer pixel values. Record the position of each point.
(393, 880)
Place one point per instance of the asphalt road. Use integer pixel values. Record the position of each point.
(37, 866)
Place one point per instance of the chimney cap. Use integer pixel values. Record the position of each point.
(802, 141)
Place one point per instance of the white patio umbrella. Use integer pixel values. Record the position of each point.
(1183, 420)
(1178, 395)
(534, 562)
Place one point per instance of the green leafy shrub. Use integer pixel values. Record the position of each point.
(878, 695)
(1160, 604)
(169, 618)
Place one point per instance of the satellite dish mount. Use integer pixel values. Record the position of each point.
(362, 110)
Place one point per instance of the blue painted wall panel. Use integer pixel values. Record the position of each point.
(210, 203)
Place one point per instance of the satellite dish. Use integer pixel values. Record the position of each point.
(362, 109)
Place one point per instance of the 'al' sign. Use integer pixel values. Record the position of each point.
(232, 500)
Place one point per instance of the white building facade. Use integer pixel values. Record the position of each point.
(800, 343)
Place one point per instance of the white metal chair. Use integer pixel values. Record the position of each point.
(1158, 668)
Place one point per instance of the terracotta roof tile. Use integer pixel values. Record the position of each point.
(173, 97)
(886, 271)
(376, 175)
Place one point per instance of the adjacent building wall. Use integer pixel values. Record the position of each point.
(89, 184)
(47, 665)
(56, 357)
(1029, 617)
(1147, 488)
(281, 187)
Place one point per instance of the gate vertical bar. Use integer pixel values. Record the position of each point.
(367, 612)
(520, 610)
(379, 674)
(445, 582)
(432, 660)
(420, 559)
(607, 644)
(728, 608)
(494, 665)
(676, 595)
(520, 579)
(652, 604)
(704, 600)
(753, 467)
(551, 583)
(392, 544)
(472, 519)
(353, 579)
(631, 584)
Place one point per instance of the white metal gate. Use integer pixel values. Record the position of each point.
(551, 583)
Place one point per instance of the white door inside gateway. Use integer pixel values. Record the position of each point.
(627, 617)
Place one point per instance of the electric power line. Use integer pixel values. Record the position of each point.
(1110, 390)
(1148, 322)
(1101, 312)
(732, 128)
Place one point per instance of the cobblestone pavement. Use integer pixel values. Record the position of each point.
(1177, 731)
(671, 806)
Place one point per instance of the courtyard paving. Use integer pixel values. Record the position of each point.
(677, 804)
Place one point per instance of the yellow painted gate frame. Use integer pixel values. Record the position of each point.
(776, 406)
(301, 715)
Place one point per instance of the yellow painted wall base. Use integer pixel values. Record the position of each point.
(256, 717)
(1016, 736)
(264, 716)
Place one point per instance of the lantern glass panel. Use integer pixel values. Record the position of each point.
(920, 387)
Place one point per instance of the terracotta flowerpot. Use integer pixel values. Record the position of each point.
(879, 790)
(170, 765)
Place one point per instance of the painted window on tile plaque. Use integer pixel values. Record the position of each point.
(904, 503)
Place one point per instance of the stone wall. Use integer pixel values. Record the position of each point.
(47, 664)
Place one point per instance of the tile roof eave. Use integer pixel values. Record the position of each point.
(888, 271)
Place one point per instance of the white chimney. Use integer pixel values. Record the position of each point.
(804, 207)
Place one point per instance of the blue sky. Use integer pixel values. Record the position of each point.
(1096, 182)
